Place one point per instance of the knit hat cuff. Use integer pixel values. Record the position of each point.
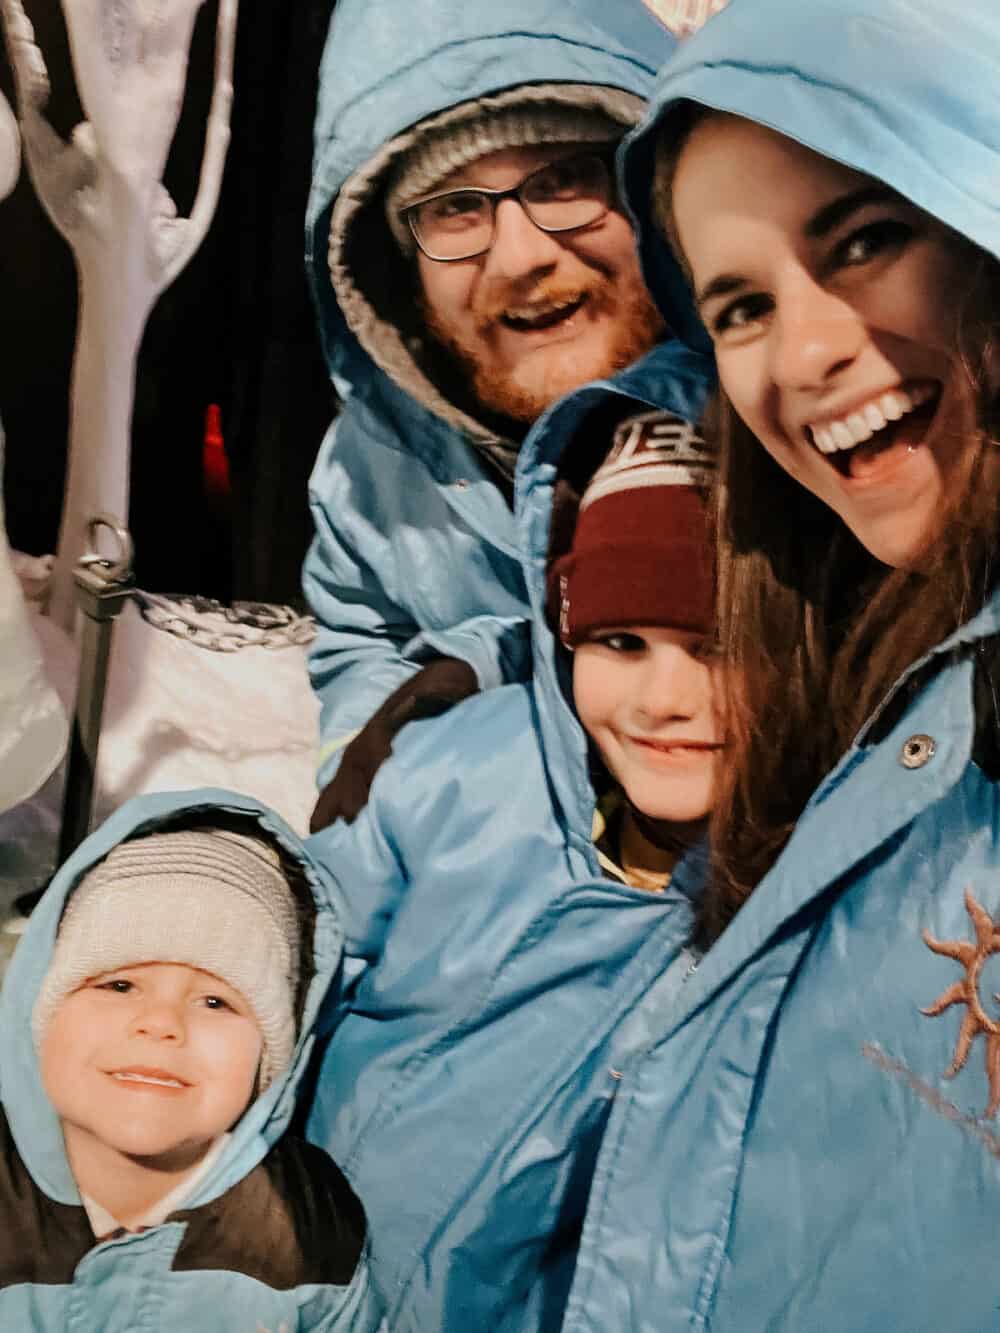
(622, 583)
(642, 551)
(443, 151)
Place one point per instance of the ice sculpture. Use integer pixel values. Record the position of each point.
(104, 192)
(32, 723)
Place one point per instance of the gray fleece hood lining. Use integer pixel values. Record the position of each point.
(399, 351)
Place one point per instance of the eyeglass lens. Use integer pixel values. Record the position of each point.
(563, 195)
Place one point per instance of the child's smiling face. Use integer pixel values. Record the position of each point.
(647, 698)
(151, 1062)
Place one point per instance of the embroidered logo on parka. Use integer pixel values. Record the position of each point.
(685, 17)
(973, 957)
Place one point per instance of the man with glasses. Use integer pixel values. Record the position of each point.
(471, 265)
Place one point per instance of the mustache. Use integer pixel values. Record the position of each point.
(490, 306)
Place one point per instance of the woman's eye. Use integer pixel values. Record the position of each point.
(871, 241)
(742, 314)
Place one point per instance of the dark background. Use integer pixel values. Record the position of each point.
(236, 328)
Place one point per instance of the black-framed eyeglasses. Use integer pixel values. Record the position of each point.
(563, 195)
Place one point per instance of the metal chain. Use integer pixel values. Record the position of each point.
(209, 624)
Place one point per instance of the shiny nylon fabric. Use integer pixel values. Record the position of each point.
(789, 1153)
(493, 976)
(415, 551)
(116, 1278)
(813, 1167)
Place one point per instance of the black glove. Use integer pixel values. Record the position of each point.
(434, 689)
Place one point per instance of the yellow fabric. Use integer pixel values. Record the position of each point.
(617, 861)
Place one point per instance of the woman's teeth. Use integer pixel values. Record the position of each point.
(867, 421)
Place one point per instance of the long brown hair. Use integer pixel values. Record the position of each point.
(815, 631)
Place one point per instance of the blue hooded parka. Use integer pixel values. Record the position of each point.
(415, 553)
(495, 980)
(208, 1267)
(778, 1136)
(811, 1139)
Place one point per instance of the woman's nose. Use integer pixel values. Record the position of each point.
(816, 335)
(519, 248)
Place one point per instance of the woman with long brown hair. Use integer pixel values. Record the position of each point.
(811, 1139)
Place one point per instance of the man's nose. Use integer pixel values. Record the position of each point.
(519, 247)
(816, 335)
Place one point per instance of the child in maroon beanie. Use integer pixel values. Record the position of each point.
(518, 881)
(634, 599)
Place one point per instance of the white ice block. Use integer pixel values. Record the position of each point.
(33, 726)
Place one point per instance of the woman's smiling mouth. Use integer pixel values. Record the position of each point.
(856, 443)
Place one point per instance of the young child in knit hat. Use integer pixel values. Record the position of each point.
(169, 1006)
(634, 597)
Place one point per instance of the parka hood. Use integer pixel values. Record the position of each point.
(32, 1120)
(903, 90)
(671, 378)
(387, 68)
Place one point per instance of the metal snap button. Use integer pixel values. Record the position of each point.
(917, 750)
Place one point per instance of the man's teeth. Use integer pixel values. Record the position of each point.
(148, 1078)
(870, 419)
(529, 313)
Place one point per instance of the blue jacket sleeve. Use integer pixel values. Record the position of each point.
(396, 579)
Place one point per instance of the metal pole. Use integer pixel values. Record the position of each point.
(103, 586)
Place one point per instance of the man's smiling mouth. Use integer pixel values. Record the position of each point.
(543, 315)
(856, 438)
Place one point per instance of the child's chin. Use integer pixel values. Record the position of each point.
(159, 1149)
(672, 809)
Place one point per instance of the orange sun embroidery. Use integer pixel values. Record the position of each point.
(976, 1020)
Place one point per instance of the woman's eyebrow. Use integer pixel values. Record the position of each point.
(722, 285)
(833, 214)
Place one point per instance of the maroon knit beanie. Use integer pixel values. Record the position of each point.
(643, 549)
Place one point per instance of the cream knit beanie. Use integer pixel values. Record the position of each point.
(211, 899)
(443, 150)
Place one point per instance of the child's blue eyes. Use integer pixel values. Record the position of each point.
(703, 650)
(122, 986)
(621, 643)
(119, 985)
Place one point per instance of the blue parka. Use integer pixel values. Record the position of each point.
(203, 1270)
(810, 1139)
(769, 1139)
(415, 554)
(496, 980)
